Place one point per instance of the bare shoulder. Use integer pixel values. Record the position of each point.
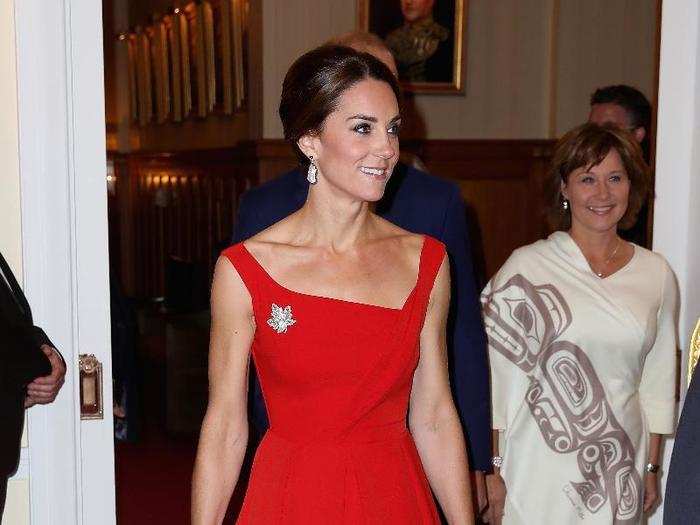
(411, 245)
(403, 241)
(229, 292)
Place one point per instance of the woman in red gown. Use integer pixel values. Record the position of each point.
(344, 314)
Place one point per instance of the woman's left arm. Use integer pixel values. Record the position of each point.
(433, 418)
(657, 388)
(651, 479)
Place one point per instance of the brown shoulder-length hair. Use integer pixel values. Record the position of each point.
(587, 146)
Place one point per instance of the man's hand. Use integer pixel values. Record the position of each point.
(651, 491)
(496, 490)
(43, 390)
(479, 492)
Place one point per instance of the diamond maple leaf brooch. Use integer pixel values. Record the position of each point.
(281, 318)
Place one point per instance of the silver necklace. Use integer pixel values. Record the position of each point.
(607, 261)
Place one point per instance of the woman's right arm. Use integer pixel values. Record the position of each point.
(504, 379)
(224, 435)
(495, 490)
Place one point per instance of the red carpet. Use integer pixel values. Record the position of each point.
(153, 482)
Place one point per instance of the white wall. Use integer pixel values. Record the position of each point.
(601, 42)
(290, 29)
(10, 227)
(507, 85)
(676, 213)
(531, 64)
(17, 511)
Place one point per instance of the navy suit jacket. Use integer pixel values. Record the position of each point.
(420, 203)
(682, 500)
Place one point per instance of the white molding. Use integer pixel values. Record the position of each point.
(23, 467)
(45, 244)
(91, 255)
(676, 213)
(64, 237)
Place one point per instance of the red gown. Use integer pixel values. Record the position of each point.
(336, 377)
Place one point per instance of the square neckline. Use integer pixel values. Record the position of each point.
(267, 275)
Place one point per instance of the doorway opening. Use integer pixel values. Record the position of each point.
(177, 116)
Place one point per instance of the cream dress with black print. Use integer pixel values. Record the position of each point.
(582, 370)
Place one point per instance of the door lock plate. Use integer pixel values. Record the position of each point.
(90, 387)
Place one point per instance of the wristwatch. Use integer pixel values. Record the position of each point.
(652, 468)
(497, 461)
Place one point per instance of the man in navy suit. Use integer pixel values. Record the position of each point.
(682, 502)
(420, 203)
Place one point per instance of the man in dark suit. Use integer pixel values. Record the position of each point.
(21, 348)
(682, 501)
(420, 203)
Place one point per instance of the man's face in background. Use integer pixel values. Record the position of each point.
(414, 10)
(610, 113)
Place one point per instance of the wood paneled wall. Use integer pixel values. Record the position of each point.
(184, 204)
(179, 205)
(501, 182)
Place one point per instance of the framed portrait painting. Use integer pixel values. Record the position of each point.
(426, 37)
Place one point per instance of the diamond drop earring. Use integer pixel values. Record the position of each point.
(565, 204)
(311, 175)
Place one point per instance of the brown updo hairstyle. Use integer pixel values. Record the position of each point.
(587, 146)
(315, 83)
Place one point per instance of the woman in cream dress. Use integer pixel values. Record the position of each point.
(582, 349)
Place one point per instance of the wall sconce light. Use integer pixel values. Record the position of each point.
(111, 179)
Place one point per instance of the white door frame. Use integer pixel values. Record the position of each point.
(65, 256)
(676, 213)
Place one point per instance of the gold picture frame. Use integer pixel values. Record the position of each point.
(200, 24)
(143, 78)
(229, 22)
(224, 56)
(190, 62)
(694, 351)
(429, 49)
(131, 42)
(158, 39)
(177, 36)
(239, 25)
